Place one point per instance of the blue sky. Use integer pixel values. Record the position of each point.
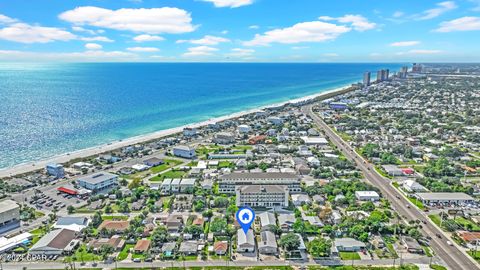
(240, 30)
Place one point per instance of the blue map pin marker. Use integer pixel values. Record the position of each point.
(245, 217)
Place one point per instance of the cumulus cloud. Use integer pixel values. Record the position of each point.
(206, 40)
(253, 27)
(93, 46)
(144, 38)
(405, 43)
(97, 38)
(441, 8)
(358, 22)
(230, 3)
(87, 56)
(25, 33)
(146, 20)
(6, 19)
(143, 49)
(398, 14)
(315, 31)
(200, 51)
(419, 52)
(460, 24)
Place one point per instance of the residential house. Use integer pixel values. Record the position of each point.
(245, 242)
(267, 243)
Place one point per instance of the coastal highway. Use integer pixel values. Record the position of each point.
(451, 255)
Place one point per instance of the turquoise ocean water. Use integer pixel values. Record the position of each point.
(51, 109)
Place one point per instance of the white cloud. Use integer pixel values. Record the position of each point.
(240, 52)
(93, 46)
(98, 38)
(144, 38)
(200, 51)
(230, 3)
(460, 24)
(206, 40)
(25, 33)
(253, 27)
(146, 20)
(330, 54)
(315, 31)
(6, 19)
(358, 22)
(398, 14)
(441, 8)
(81, 29)
(224, 32)
(419, 52)
(143, 49)
(405, 43)
(87, 56)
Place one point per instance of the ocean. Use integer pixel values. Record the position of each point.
(47, 109)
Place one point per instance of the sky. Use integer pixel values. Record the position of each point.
(240, 30)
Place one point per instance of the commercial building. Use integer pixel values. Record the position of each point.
(445, 197)
(55, 243)
(366, 78)
(338, 105)
(184, 151)
(7, 244)
(262, 196)
(76, 224)
(412, 186)
(392, 170)
(314, 140)
(367, 195)
(227, 183)
(55, 170)
(9, 215)
(98, 181)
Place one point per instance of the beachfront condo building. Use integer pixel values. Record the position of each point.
(98, 181)
(184, 151)
(366, 78)
(56, 170)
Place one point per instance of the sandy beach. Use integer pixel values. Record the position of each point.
(63, 158)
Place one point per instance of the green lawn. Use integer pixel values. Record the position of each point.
(124, 253)
(224, 164)
(349, 256)
(435, 219)
(138, 256)
(437, 267)
(417, 203)
(467, 224)
(475, 255)
(119, 217)
(169, 174)
(83, 255)
(187, 258)
(169, 163)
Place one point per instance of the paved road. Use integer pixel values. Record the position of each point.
(451, 255)
(179, 264)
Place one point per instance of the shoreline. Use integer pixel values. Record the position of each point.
(96, 150)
